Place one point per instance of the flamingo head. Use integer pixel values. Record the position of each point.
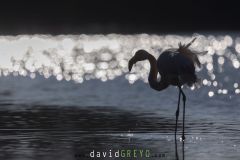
(140, 55)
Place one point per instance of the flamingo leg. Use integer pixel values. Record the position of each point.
(184, 101)
(176, 149)
(177, 113)
(183, 151)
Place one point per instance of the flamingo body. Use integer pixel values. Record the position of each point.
(176, 68)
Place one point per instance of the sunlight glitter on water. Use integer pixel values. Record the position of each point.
(105, 57)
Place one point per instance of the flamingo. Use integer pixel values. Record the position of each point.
(176, 67)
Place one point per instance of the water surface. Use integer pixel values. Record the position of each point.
(63, 97)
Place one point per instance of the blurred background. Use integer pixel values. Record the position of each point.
(120, 16)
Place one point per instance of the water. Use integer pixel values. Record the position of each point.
(53, 107)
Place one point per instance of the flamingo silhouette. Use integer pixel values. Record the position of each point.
(176, 67)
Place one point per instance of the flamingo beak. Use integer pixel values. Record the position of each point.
(130, 64)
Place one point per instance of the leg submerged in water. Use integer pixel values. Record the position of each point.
(177, 113)
(184, 102)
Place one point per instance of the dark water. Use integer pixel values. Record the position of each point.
(47, 119)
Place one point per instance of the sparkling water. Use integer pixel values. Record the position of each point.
(64, 96)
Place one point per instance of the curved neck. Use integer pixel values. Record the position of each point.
(152, 78)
